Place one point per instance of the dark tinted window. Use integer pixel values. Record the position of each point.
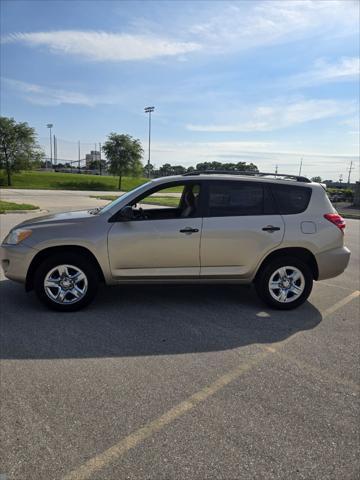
(291, 199)
(235, 198)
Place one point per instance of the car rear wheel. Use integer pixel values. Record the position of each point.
(66, 282)
(284, 283)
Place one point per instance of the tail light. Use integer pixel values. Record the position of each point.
(336, 219)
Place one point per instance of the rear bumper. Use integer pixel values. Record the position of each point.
(332, 262)
(15, 261)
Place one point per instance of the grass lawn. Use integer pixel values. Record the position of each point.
(69, 181)
(15, 206)
(161, 201)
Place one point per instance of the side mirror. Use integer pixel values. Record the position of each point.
(127, 212)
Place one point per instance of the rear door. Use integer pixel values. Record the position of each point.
(239, 227)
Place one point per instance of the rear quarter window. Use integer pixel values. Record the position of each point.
(291, 199)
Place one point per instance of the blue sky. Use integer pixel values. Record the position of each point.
(264, 81)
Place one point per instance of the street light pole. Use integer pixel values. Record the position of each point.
(49, 126)
(149, 110)
(79, 171)
(100, 158)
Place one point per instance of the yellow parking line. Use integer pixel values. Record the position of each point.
(273, 347)
(341, 303)
(333, 285)
(119, 449)
(116, 451)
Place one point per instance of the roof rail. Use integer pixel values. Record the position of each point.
(297, 178)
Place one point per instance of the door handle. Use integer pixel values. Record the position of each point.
(270, 228)
(189, 230)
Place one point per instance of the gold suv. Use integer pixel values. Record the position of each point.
(280, 233)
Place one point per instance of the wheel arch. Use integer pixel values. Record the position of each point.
(43, 254)
(301, 253)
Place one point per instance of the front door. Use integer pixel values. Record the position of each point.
(163, 240)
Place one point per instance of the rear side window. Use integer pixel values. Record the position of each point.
(231, 199)
(291, 199)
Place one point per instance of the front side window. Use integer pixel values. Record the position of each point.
(178, 201)
(235, 199)
(113, 204)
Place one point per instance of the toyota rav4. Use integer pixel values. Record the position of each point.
(278, 232)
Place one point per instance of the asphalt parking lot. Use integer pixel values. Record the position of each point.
(190, 382)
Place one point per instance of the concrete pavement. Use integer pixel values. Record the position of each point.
(56, 200)
(182, 383)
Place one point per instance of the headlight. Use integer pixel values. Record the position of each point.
(16, 236)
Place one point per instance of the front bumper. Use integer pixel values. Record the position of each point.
(332, 262)
(15, 260)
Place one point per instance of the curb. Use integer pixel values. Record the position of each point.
(38, 210)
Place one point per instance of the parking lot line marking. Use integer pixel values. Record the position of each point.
(132, 440)
(340, 303)
(326, 284)
(273, 347)
(113, 453)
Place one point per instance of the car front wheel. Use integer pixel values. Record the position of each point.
(66, 282)
(285, 283)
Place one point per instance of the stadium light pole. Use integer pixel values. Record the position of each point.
(49, 126)
(149, 110)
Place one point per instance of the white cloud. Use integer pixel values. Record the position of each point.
(46, 96)
(347, 68)
(104, 46)
(279, 115)
(222, 27)
(273, 22)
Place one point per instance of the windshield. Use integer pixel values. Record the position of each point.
(122, 197)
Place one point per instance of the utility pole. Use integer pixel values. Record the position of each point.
(300, 167)
(49, 126)
(79, 156)
(276, 170)
(100, 158)
(350, 168)
(149, 110)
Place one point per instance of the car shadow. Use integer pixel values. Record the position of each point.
(145, 320)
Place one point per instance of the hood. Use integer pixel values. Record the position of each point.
(63, 217)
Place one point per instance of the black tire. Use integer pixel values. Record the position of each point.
(265, 274)
(80, 262)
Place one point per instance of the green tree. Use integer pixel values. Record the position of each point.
(148, 170)
(316, 179)
(19, 149)
(168, 169)
(165, 170)
(124, 155)
(240, 166)
(95, 165)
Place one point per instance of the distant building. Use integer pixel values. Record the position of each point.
(90, 158)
